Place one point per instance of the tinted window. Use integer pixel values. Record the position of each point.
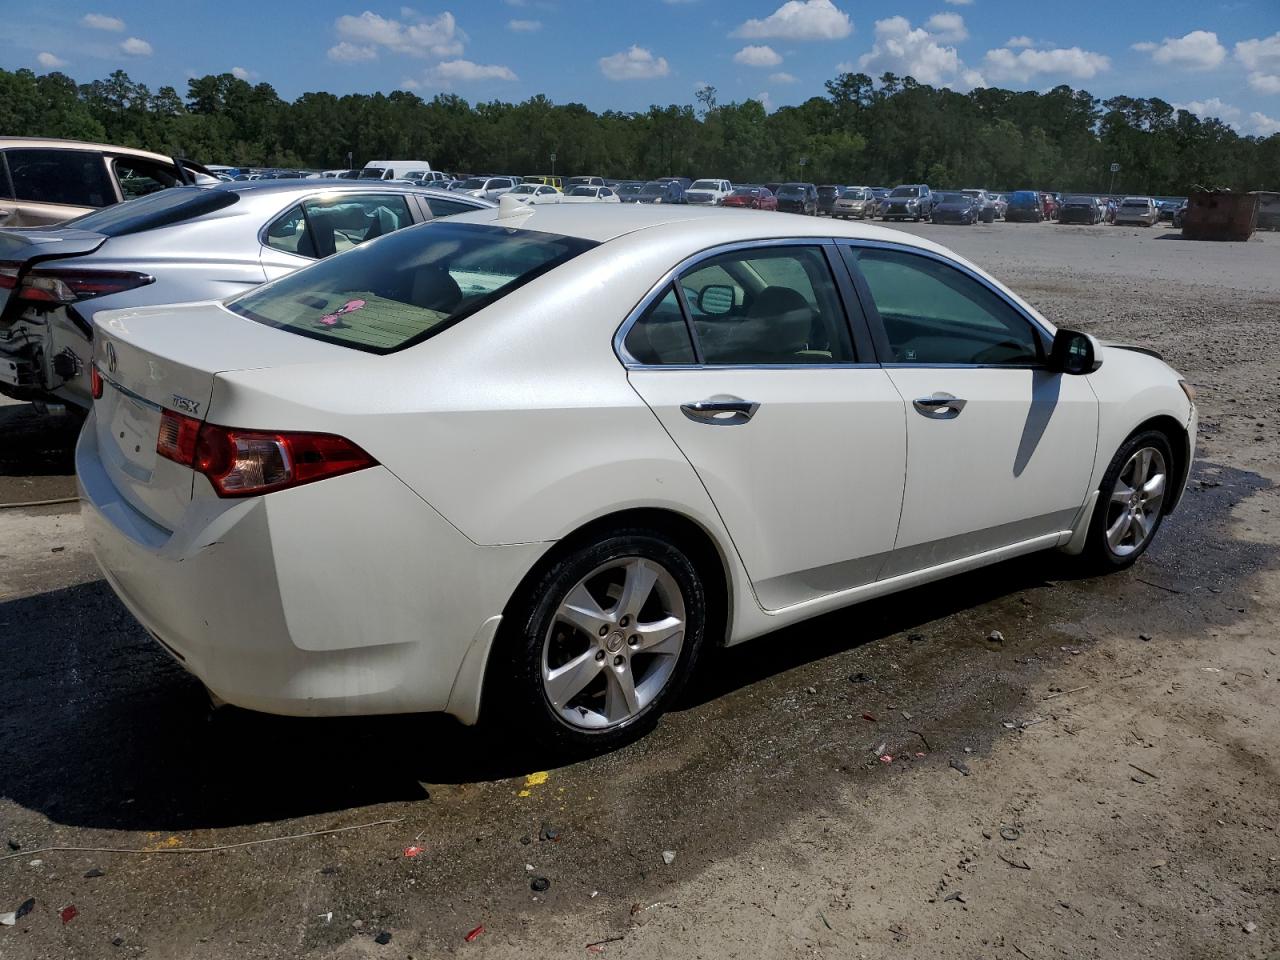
(661, 336)
(390, 295)
(60, 176)
(771, 305)
(141, 177)
(653, 189)
(934, 313)
(158, 210)
(905, 192)
(371, 173)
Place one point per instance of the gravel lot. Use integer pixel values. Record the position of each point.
(1121, 744)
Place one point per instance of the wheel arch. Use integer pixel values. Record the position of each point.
(1179, 443)
(704, 549)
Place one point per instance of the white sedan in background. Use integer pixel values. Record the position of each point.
(584, 194)
(535, 460)
(534, 193)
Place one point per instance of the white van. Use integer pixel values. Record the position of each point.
(395, 170)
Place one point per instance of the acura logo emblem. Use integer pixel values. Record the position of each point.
(111, 357)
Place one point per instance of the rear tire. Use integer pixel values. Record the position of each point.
(1131, 501)
(599, 643)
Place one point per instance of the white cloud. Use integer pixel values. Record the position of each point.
(782, 77)
(465, 71)
(972, 79)
(960, 3)
(100, 21)
(524, 26)
(426, 37)
(1262, 125)
(800, 20)
(135, 47)
(240, 73)
(1017, 43)
(753, 56)
(908, 51)
(1004, 64)
(49, 61)
(1198, 50)
(765, 100)
(947, 26)
(408, 83)
(347, 52)
(1265, 82)
(1213, 107)
(1261, 55)
(634, 64)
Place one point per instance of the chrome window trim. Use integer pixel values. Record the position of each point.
(668, 279)
(1046, 338)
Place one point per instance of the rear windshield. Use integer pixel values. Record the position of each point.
(790, 190)
(651, 189)
(905, 192)
(828, 193)
(159, 209)
(371, 173)
(410, 285)
(1024, 197)
(1079, 201)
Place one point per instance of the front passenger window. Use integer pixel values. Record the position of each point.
(934, 313)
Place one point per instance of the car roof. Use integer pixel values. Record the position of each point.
(56, 143)
(694, 227)
(259, 188)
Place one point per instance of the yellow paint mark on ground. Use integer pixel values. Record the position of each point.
(525, 793)
(167, 844)
(536, 779)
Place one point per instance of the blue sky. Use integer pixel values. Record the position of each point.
(1217, 58)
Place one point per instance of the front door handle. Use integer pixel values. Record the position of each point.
(720, 411)
(940, 406)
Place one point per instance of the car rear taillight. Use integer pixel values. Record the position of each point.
(95, 382)
(248, 463)
(9, 275)
(62, 287)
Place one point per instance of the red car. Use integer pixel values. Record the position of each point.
(757, 198)
(1049, 205)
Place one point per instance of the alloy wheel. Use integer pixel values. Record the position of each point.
(1133, 509)
(613, 644)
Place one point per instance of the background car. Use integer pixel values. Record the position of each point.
(50, 181)
(956, 207)
(628, 190)
(186, 243)
(232, 478)
(854, 203)
(582, 193)
(657, 191)
(548, 179)
(1141, 211)
(1049, 204)
(1025, 206)
(1080, 209)
(828, 193)
(708, 191)
(534, 192)
(988, 212)
(798, 198)
(1001, 204)
(583, 182)
(755, 198)
(486, 188)
(910, 201)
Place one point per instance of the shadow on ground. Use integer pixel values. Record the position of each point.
(99, 728)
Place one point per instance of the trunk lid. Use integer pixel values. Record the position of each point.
(167, 358)
(20, 248)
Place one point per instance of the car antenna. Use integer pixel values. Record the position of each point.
(509, 206)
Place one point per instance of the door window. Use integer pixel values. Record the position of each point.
(934, 313)
(75, 177)
(320, 228)
(661, 336)
(447, 208)
(141, 177)
(770, 305)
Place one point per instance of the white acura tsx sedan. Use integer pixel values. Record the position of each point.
(534, 460)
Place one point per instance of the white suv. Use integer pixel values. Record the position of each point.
(709, 191)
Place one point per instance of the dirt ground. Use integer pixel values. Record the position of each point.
(1102, 784)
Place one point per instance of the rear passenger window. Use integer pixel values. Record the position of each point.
(660, 336)
(141, 177)
(321, 228)
(771, 305)
(447, 208)
(75, 177)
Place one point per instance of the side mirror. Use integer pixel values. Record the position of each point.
(716, 299)
(1074, 353)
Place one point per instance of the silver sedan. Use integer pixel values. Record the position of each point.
(177, 245)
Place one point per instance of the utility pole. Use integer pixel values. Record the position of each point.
(553, 164)
(1115, 168)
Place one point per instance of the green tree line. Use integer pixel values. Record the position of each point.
(886, 131)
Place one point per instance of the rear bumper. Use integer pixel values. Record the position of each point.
(343, 597)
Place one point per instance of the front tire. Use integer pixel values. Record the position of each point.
(1131, 501)
(600, 643)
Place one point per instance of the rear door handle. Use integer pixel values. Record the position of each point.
(720, 411)
(940, 406)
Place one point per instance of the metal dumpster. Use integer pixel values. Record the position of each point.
(1220, 215)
